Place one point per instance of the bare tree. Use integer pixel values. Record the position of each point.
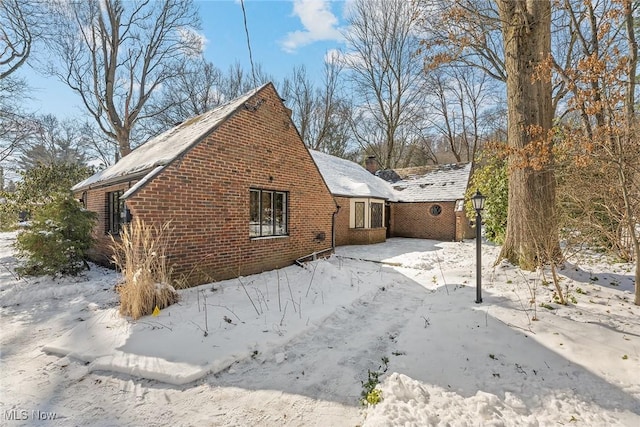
(386, 75)
(237, 81)
(320, 113)
(469, 33)
(53, 142)
(459, 98)
(115, 55)
(101, 150)
(603, 152)
(16, 35)
(19, 27)
(196, 89)
(465, 32)
(15, 124)
(589, 39)
(299, 94)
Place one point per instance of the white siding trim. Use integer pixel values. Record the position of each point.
(367, 211)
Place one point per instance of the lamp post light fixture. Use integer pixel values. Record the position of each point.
(478, 205)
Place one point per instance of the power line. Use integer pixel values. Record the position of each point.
(246, 30)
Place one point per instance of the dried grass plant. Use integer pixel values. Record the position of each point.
(140, 254)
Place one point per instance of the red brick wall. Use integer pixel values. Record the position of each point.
(342, 221)
(367, 236)
(463, 227)
(205, 194)
(415, 220)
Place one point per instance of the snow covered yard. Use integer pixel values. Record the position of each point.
(293, 346)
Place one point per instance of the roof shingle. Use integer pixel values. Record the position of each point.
(169, 145)
(437, 183)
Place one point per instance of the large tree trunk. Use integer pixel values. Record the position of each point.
(531, 236)
(630, 102)
(124, 143)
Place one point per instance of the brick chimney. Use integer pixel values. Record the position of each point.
(371, 164)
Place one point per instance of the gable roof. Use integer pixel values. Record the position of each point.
(437, 183)
(349, 179)
(151, 157)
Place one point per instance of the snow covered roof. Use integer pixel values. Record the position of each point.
(438, 183)
(388, 175)
(346, 178)
(160, 150)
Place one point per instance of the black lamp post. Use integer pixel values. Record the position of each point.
(478, 205)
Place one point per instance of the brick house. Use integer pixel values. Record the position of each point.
(431, 202)
(362, 199)
(240, 188)
(424, 202)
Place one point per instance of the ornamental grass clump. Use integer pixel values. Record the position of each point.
(140, 254)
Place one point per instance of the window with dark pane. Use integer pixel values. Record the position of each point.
(268, 213)
(435, 210)
(376, 215)
(115, 212)
(254, 213)
(280, 213)
(359, 213)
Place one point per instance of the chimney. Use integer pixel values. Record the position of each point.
(371, 164)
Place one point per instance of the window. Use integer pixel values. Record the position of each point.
(359, 212)
(116, 214)
(267, 213)
(366, 213)
(435, 210)
(376, 215)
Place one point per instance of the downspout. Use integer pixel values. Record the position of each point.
(299, 261)
(333, 228)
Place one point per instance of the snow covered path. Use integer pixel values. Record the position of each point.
(337, 347)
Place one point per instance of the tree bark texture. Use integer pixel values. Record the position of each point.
(531, 236)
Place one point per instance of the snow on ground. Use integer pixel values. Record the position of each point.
(293, 346)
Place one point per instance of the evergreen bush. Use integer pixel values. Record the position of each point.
(57, 238)
(492, 181)
(8, 216)
(36, 188)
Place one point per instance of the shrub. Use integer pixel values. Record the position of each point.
(492, 181)
(57, 239)
(140, 254)
(8, 216)
(37, 188)
(40, 183)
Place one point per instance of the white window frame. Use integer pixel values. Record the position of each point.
(367, 211)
